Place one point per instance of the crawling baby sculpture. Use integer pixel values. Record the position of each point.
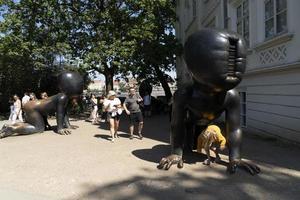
(216, 60)
(70, 85)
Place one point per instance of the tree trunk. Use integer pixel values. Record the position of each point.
(109, 81)
(163, 82)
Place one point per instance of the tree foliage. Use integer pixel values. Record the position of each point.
(31, 39)
(112, 36)
(156, 55)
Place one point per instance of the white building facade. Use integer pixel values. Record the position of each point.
(270, 90)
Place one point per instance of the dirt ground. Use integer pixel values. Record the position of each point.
(86, 165)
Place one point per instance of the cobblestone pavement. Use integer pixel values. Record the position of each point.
(86, 165)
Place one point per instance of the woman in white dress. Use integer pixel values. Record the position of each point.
(11, 106)
(17, 109)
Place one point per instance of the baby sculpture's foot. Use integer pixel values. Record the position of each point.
(5, 131)
(64, 132)
(167, 162)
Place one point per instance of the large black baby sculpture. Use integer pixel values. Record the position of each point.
(216, 61)
(70, 85)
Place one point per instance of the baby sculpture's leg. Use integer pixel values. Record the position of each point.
(35, 124)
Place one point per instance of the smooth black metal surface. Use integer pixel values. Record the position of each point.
(216, 61)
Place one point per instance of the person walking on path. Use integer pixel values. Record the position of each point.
(147, 104)
(25, 99)
(17, 109)
(44, 95)
(11, 107)
(132, 108)
(112, 105)
(103, 112)
(32, 96)
(94, 113)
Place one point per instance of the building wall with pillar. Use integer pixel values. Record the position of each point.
(270, 90)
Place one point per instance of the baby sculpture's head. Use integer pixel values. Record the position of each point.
(216, 58)
(70, 83)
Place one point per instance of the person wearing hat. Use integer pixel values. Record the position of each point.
(132, 108)
(112, 105)
(211, 139)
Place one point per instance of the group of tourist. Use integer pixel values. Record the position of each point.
(112, 109)
(16, 105)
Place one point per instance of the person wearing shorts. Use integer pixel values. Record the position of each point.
(132, 108)
(112, 106)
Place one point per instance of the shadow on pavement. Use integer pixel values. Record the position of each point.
(255, 147)
(200, 184)
(158, 151)
(156, 127)
(102, 136)
(108, 137)
(154, 154)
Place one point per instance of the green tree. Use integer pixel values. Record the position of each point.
(113, 37)
(155, 54)
(123, 36)
(106, 30)
(29, 43)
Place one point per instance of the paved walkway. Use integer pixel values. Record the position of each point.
(86, 165)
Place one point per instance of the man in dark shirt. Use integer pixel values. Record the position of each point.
(132, 108)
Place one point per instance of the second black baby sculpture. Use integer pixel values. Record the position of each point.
(70, 85)
(216, 61)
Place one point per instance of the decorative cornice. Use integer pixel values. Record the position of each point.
(190, 25)
(283, 67)
(212, 8)
(274, 41)
(235, 3)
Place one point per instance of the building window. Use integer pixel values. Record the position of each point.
(275, 17)
(194, 8)
(187, 4)
(243, 113)
(242, 13)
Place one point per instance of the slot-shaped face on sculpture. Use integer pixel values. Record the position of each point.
(215, 58)
(70, 83)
